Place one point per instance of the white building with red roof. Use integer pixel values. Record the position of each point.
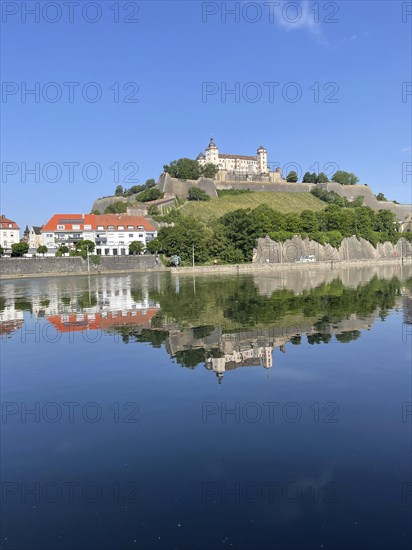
(9, 233)
(111, 233)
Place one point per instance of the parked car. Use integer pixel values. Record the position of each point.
(306, 259)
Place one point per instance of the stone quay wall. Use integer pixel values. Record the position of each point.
(29, 267)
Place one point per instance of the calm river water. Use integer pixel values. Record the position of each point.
(155, 411)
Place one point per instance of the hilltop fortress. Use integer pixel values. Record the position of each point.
(239, 167)
(250, 173)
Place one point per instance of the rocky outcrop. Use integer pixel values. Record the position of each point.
(351, 249)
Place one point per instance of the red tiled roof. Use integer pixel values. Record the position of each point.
(241, 157)
(97, 321)
(66, 219)
(4, 223)
(122, 219)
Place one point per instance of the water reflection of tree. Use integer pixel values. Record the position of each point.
(348, 336)
(191, 357)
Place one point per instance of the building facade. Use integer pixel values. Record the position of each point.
(253, 165)
(111, 233)
(34, 237)
(9, 233)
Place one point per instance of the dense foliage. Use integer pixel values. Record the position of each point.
(231, 238)
(313, 178)
(332, 197)
(118, 207)
(197, 194)
(149, 195)
(18, 249)
(121, 191)
(188, 169)
(345, 178)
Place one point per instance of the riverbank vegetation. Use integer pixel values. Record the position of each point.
(231, 238)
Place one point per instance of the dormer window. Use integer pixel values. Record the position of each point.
(120, 227)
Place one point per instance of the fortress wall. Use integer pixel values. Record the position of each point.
(353, 191)
(180, 188)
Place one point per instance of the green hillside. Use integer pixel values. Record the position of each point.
(283, 202)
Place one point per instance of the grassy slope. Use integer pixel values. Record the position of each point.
(283, 202)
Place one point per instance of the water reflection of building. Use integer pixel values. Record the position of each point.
(11, 320)
(101, 304)
(111, 305)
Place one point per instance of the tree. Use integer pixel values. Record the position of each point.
(381, 197)
(149, 183)
(210, 170)
(293, 223)
(136, 247)
(197, 194)
(119, 190)
(385, 221)
(153, 246)
(184, 168)
(322, 178)
(83, 248)
(149, 195)
(18, 249)
(135, 189)
(1, 251)
(42, 249)
(118, 207)
(308, 221)
(64, 249)
(309, 178)
(96, 212)
(345, 178)
(292, 177)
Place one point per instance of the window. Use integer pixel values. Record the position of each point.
(121, 235)
(123, 251)
(99, 251)
(76, 227)
(140, 235)
(106, 251)
(49, 235)
(140, 227)
(10, 225)
(114, 251)
(120, 227)
(100, 228)
(130, 234)
(130, 227)
(60, 227)
(86, 227)
(110, 227)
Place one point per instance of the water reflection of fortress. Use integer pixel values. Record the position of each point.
(114, 304)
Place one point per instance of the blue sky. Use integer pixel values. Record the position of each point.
(180, 57)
